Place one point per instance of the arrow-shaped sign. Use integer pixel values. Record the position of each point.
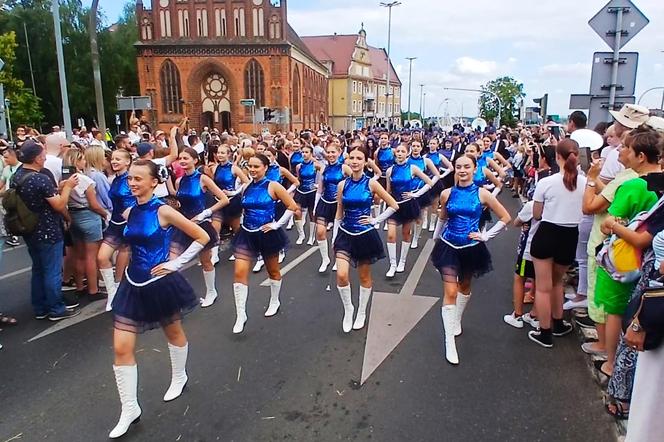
(393, 316)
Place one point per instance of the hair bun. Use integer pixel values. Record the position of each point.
(162, 174)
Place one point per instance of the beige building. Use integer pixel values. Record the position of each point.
(358, 94)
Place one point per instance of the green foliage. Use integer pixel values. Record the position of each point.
(509, 91)
(116, 48)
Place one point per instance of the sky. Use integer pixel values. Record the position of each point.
(547, 45)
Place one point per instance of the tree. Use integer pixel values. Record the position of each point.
(509, 91)
(23, 105)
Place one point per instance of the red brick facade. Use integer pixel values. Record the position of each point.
(200, 58)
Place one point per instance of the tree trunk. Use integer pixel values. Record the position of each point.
(96, 71)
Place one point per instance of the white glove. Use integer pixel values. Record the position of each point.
(276, 225)
(292, 188)
(318, 197)
(492, 232)
(192, 251)
(232, 193)
(376, 177)
(335, 229)
(382, 217)
(446, 172)
(205, 214)
(424, 189)
(440, 226)
(496, 191)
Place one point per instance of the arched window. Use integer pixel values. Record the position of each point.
(253, 82)
(296, 92)
(171, 92)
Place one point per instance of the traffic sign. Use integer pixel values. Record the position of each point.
(133, 103)
(599, 108)
(600, 81)
(248, 102)
(604, 22)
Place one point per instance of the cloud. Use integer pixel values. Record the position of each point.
(566, 70)
(472, 66)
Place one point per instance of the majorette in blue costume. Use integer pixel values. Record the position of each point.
(442, 161)
(427, 166)
(307, 172)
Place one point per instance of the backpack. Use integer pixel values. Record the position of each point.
(621, 260)
(19, 220)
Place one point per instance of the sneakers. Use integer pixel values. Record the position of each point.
(64, 315)
(528, 319)
(569, 305)
(13, 241)
(70, 299)
(69, 285)
(513, 320)
(584, 322)
(541, 337)
(401, 267)
(561, 328)
(41, 316)
(588, 349)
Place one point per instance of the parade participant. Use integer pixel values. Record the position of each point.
(384, 159)
(484, 176)
(499, 163)
(296, 157)
(260, 235)
(122, 199)
(229, 178)
(460, 253)
(442, 159)
(153, 292)
(401, 184)
(307, 173)
(326, 208)
(427, 166)
(190, 193)
(355, 239)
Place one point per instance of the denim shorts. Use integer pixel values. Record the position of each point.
(85, 226)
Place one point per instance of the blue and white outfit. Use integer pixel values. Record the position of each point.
(455, 255)
(480, 180)
(326, 208)
(122, 199)
(402, 180)
(355, 242)
(305, 194)
(420, 163)
(144, 302)
(295, 159)
(226, 180)
(274, 174)
(384, 160)
(436, 159)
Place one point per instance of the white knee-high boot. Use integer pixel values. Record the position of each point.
(425, 218)
(345, 294)
(325, 255)
(449, 314)
(126, 378)
(392, 253)
(108, 276)
(215, 254)
(240, 292)
(365, 294)
(275, 288)
(299, 225)
(178, 371)
(461, 302)
(405, 247)
(432, 221)
(210, 289)
(312, 234)
(417, 232)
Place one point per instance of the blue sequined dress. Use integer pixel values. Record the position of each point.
(356, 242)
(402, 180)
(143, 302)
(305, 194)
(258, 209)
(455, 255)
(225, 180)
(192, 199)
(326, 209)
(122, 199)
(421, 164)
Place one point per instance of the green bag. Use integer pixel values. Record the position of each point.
(19, 220)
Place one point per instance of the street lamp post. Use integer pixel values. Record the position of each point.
(410, 76)
(66, 116)
(500, 103)
(421, 98)
(389, 7)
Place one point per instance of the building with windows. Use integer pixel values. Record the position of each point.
(358, 89)
(199, 58)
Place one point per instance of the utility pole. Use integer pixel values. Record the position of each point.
(410, 76)
(389, 7)
(421, 98)
(424, 103)
(96, 70)
(32, 74)
(66, 115)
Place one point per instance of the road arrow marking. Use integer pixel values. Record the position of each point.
(294, 263)
(393, 316)
(91, 310)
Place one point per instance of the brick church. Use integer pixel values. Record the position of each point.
(199, 58)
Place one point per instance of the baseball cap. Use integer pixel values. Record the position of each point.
(144, 148)
(29, 151)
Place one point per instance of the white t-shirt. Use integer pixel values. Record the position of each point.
(611, 166)
(525, 215)
(54, 164)
(199, 148)
(561, 206)
(161, 190)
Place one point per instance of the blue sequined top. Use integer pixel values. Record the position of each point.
(258, 205)
(448, 153)
(307, 177)
(273, 172)
(356, 199)
(295, 159)
(149, 241)
(384, 159)
(479, 177)
(420, 164)
(223, 176)
(437, 162)
(401, 180)
(464, 210)
(191, 195)
(332, 176)
(121, 197)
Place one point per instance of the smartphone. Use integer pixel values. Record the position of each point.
(555, 131)
(68, 171)
(585, 158)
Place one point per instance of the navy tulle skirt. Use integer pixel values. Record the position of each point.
(458, 264)
(248, 245)
(158, 304)
(180, 241)
(424, 201)
(306, 200)
(436, 190)
(114, 235)
(366, 248)
(230, 212)
(409, 211)
(326, 211)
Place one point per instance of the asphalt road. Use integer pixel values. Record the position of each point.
(297, 376)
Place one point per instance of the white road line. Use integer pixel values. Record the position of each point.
(89, 311)
(8, 249)
(291, 265)
(416, 272)
(15, 273)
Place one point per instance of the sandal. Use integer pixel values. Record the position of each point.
(7, 320)
(620, 412)
(528, 299)
(598, 366)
